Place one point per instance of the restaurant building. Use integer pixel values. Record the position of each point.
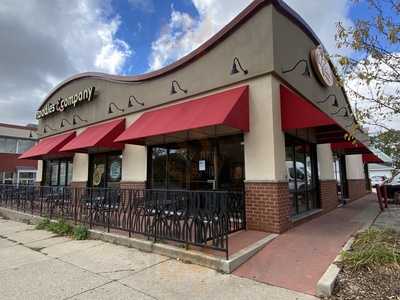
(14, 140)
(255, 111)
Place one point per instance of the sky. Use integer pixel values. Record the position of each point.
(45, 41)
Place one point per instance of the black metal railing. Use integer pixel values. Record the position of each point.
(199, 218)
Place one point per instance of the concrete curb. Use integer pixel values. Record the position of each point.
(327, 282)
(245, 254)
(190, 256)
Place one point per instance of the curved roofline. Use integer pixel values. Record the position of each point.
(249, 11)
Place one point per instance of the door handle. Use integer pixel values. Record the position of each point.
(213, 181)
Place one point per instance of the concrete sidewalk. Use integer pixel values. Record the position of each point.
(389, 218)
(35, 264)
(298, 258)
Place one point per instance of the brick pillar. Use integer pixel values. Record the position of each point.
(80, 184)
(77, 193)
(357, 188)
(267, 206)
(329, 197)
(135, 185)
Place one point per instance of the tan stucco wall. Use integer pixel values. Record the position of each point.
(354, 167)
(39, 173)
(80, 167)
(291, 45)
(325, 162)
(134, 158)
(264, 143)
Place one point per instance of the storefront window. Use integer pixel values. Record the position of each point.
(159, 167)
(8, 145)
(57, 172)
(24, 145)
(8, 177)
(192, 165)
(26, 177)
(105, 169)
(301, 165)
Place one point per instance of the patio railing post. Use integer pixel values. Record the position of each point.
(156, 219)
(130, 200)
(108, 199)
(90, 208)
(32, 197)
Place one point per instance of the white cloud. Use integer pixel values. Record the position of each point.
(144, 5)
(45, 41)
(180, 36)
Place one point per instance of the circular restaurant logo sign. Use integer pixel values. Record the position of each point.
(322, 67)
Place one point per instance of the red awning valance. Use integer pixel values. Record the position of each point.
(299, 113)
(219, 113)
(350, 148)
(48, 147)
(98, 137)
(370, 158)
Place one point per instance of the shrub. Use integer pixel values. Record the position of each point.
(81, 232)
(43, 224)
(60, 227)
(374, 248)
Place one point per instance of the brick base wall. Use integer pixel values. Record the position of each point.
(328, 194)
(357, 189)
(80, 184)
(135, 185)
(267, 206)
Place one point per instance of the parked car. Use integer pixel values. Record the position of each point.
(377, 180)
(393, 185)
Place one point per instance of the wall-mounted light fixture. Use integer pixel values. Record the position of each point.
(133, 99)
(47, 126)
(346, 113)
(335, 101)
(306, 68)
(235, 64)
(174, 85)
(111, 105)
(74, 117)
(64, 121)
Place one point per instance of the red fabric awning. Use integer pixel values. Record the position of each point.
(350, 148)
(48, 147)
(370, 158)
(100, 137)
(298, 112)
(229, 110)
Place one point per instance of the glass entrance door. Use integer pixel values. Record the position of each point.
(202, 165)
(301, 165)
